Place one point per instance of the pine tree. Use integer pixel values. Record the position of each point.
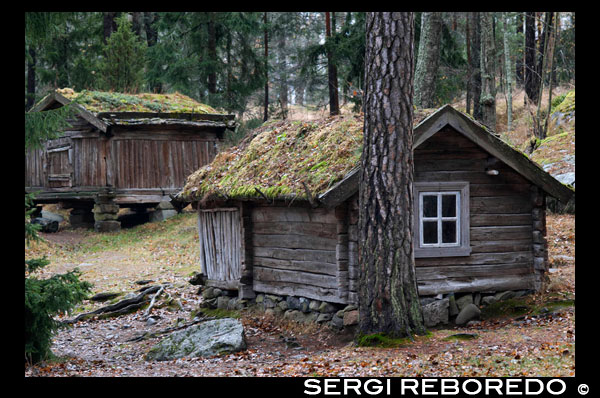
(388, 296)
(122, 68)
(428, 59)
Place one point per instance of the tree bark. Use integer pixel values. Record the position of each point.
(541, 59)
(388, 296)
(212, 54)
(508, 66)
(488, 78)
(428, 59)
(475, 62)
(519, 74)
(31, 79)
(110, 25)
(283, 78)
(334, 105)
(529, 71)
(266, 103)
(469, 64)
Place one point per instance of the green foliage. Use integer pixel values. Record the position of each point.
(46, 125)
(122, 68)
(44, 299)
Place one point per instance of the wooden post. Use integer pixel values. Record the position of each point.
(246, 290)
(341, 250)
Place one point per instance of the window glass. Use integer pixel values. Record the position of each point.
(430, 234)
(449, 205)
(429, 205)
(448, 231)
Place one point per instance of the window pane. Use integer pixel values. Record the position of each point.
(429, 206)
(430, 232)
(449, 205)
(448, 231)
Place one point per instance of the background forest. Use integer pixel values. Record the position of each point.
(277, 64)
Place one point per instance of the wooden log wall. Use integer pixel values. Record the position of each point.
(540, 244)
(505, 223)
(295, 252)
(156, 158)
(500, 219)
(153, 160)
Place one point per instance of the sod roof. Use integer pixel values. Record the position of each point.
(102, 101)
(279, 158)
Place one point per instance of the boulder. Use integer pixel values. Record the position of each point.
(468, 313)
(453, 308)
(216, 337)
(505, 295)
(436, 312)
(47, 225)
(463, 301)
(487, 300)
(160, 215)
(350, 318)
(326, 308)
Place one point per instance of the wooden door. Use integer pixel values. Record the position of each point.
(60, 167)
(220, 245)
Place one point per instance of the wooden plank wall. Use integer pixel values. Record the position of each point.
(294, 252)
(35, 175)
(500, 219)
(220, 244)
(158, 162)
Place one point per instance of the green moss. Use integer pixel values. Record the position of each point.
(101, 101)
(462, 336)
(383, 340)
(567, 105)
(217, 313)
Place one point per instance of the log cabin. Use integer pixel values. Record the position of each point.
(121, 150)
(279, 213)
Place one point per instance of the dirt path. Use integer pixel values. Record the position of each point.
(526, 346)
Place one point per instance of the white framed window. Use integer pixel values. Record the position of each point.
(441, 219)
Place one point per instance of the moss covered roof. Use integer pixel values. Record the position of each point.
(279, 158)
(102, 101)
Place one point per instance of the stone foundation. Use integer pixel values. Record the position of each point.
(458, 309)
(106, 213)
(163, 211)
(81, 217)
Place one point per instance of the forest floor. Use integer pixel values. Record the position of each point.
(519, 340)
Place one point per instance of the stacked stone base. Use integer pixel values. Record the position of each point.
(81, 218)
(163, 211)
(458, 309)
(105, 217)
(299, 309)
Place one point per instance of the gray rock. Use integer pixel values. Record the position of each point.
(164, 205)
(314, 305)
(463, 301)
(566, 178)
(293, 303)
(327, 308)
(283, 305)
(470, 312)
(222, 302)
(436, 312)
(452, 308)
(160, 215)
(426, 300)
(46, 224)
(269, 302)
(216, 337)
(304, 304)
(260, 298)
(337, 322)
(487, 300)
(350, 307)
(208, 293)
(505, 295)
(232, 304)
(52, 216)
(324, 318)
(294, 315)
(274, 298)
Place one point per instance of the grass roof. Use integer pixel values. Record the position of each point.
(279, 158)
(102, 101)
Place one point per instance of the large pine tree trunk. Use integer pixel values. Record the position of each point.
(529, 71)
(388, 297)
(473, 20)
(334, 105)
(428, 59)
(109, 25)
(488, 77)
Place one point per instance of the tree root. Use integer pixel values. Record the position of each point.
(122, 307)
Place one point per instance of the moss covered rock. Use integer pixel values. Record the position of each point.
(216, 337)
